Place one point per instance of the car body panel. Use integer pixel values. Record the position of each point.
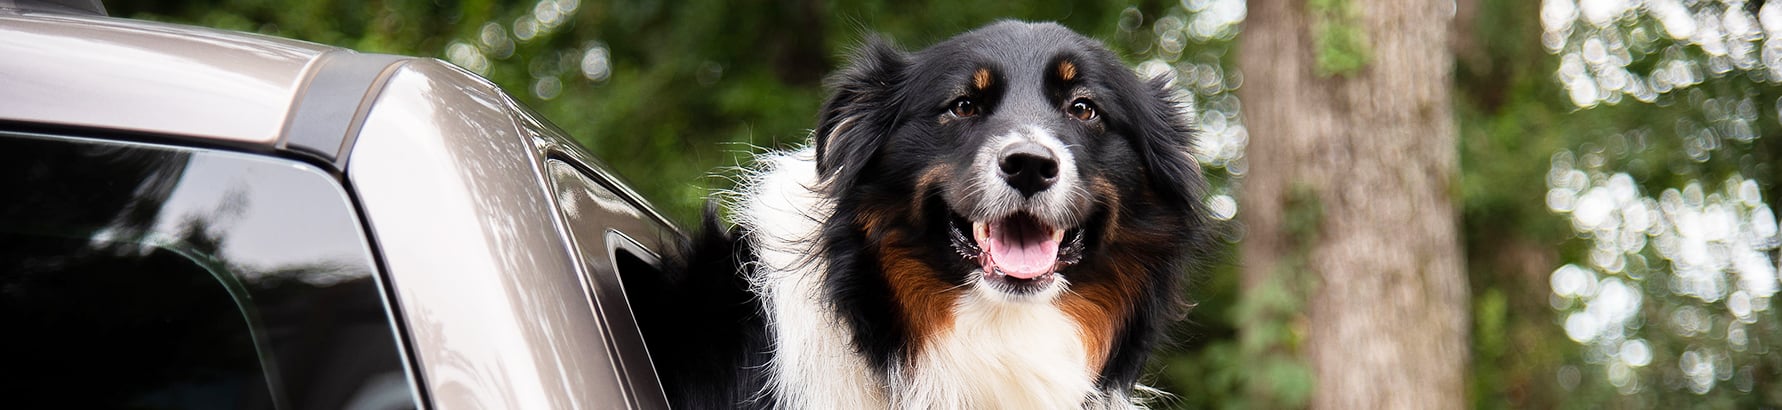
(495, 308)
(100, 72)
(605, 232)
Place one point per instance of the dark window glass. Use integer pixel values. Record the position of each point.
(140, 276)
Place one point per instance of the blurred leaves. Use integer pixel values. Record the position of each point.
(689, 87)
(673, 93)
(1263, 366)
(1663, 174)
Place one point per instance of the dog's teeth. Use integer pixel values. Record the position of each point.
(965, 247)
(1071, 253)
(1058, 235)
(980, 231)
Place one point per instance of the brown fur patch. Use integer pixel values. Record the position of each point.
(930, 181)
(876, 222)
(925, 301)
(1095, 326)
(981, 79)
(1100, 307)
(1067, 71)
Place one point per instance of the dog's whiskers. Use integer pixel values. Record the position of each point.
(961, 285)
(1072, 252)
(966, 247)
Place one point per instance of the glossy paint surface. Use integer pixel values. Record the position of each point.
(496, 309)
(130, 75)
(612, 231)
(597, 219)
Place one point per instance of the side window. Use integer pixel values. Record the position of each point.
(141, 276)
(600, 224)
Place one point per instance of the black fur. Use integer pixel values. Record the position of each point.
(886, 122)
(705, 329)
(862, 112)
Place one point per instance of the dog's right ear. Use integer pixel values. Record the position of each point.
(861, 111)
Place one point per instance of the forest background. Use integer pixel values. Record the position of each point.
(1592, 181)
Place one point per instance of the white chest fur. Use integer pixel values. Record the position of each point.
(1000, 355)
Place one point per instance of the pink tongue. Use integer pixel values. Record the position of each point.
(1022, 249)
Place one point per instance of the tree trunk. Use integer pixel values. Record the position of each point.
(1370, 153)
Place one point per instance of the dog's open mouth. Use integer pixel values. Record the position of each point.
(1019, 250)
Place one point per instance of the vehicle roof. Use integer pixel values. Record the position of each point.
(108, 73)
(434, 130)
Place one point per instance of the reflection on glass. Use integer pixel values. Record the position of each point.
(170, 278)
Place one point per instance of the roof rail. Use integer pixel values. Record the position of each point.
(64, 6)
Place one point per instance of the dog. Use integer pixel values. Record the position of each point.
(1001, 220)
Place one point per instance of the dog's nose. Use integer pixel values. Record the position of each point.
(1029, 167)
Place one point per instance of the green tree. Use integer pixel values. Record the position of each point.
(1572, 118)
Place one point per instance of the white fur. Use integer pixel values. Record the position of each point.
(813, 365)
(999, 353)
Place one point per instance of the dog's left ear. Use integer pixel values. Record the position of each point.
(1164, 138)
(861, 111)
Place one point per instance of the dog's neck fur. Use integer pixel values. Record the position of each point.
(781, 211)
(995, 354)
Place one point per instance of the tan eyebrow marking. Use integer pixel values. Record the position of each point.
(981, 79)
(1067, 71)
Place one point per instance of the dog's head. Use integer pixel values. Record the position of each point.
(1010, 159)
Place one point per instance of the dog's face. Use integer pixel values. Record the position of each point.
(1014, 168)
(1005, 158)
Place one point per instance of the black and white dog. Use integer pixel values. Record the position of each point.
(1000, 220)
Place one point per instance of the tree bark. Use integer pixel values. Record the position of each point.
(1375, 150)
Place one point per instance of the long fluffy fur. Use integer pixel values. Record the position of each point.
(839, 287)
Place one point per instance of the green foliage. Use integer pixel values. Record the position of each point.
(1263, 366)
(1272, 372)
(693, 87)
(1515, 118)
(1271, 315)
(1302, 216)
(1340, 45)
(1262, 369)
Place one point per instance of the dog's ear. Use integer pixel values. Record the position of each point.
(1165, 135)
(861, 110)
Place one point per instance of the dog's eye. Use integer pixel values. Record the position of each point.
(964, 107)
(1082, 109)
